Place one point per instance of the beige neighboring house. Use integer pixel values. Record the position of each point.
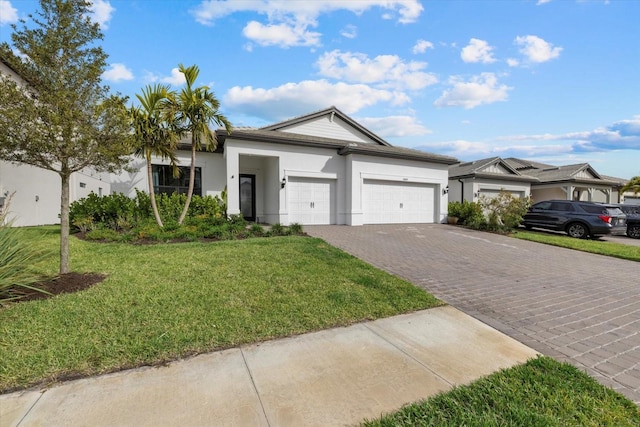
(570, 182)
(486, 177)
(36, 192)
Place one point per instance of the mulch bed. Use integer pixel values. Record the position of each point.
(63, 284)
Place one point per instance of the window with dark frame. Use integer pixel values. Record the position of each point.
(165, 183)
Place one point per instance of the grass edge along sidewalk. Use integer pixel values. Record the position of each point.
(163, 302)
(541, 392)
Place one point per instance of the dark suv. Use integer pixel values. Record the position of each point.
(577, 219)
(633, 219)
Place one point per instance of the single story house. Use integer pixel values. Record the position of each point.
(320, 168)
(487, 177)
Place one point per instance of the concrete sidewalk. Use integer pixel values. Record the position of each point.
(332, 377)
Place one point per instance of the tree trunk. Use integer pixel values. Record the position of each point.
(64, 223)
(152, 193)
(192, 177)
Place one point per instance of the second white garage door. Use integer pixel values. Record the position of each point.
(392, 202)
(311, 200)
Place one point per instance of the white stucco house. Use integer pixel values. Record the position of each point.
(36, 191)
(320, 168)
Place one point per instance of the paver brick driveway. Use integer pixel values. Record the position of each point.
(573, 306)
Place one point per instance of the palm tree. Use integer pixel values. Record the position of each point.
(633, 185)
(155, 133)
(196, 108)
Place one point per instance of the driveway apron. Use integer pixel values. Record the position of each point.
(573, 306)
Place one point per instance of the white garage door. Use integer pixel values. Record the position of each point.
(391, 202)
(491, 194)
(311, 201)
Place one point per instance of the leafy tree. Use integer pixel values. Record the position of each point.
(196, 108)
(154, 134)
(65, 120)
(633, 185)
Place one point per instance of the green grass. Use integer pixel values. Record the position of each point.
(165, 301)
(542, 392)
(612, 249)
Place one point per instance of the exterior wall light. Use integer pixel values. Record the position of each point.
(445, 190)
(283, 182)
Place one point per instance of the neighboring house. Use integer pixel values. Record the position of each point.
(486, 178)
(570, 182)
(321, 168)
(36, 192)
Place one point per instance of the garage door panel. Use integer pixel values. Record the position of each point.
(392, 202)
(311, 201)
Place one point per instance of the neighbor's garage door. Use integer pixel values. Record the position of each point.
(311, 201)
(491, 194)
(391, 202)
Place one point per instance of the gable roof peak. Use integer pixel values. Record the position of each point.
(332, 112)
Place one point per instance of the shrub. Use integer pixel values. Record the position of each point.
(256, 230)
(505, 211)
(277, 229)
(296, 228)
(16, 260)
(468, 213)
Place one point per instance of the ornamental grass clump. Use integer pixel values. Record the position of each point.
(16, 259)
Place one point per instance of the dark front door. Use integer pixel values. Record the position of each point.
(248, 197)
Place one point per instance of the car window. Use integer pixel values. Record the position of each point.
(614, 211)
(562, 206)
(594, 209)
(542, 205)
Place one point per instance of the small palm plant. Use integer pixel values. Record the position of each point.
(16, 259)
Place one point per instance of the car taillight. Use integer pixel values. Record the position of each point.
(605, 218)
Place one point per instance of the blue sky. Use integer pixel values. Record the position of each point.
(556, 81)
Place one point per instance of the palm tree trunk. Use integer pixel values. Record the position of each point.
(192, 176)
(152, 193)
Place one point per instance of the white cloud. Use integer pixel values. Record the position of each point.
(350, 32)
(289, 99)
(176, 78)
(479, 90)
(394, 126)
(117, 72)
(477, 51)
(385, 71)
(537, 49)
(289, 21)
(541, 2)
(208, 11)
(101, 12)
(512, 62)
(421, 46)
(8, 13)
(282, 35)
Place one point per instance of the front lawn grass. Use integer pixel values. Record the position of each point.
(541, 392)
(165, 301)
(594, 246)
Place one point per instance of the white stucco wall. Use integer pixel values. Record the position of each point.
(37, 191)
(212, 166)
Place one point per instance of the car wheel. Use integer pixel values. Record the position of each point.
(633, 231)
(577, 230)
